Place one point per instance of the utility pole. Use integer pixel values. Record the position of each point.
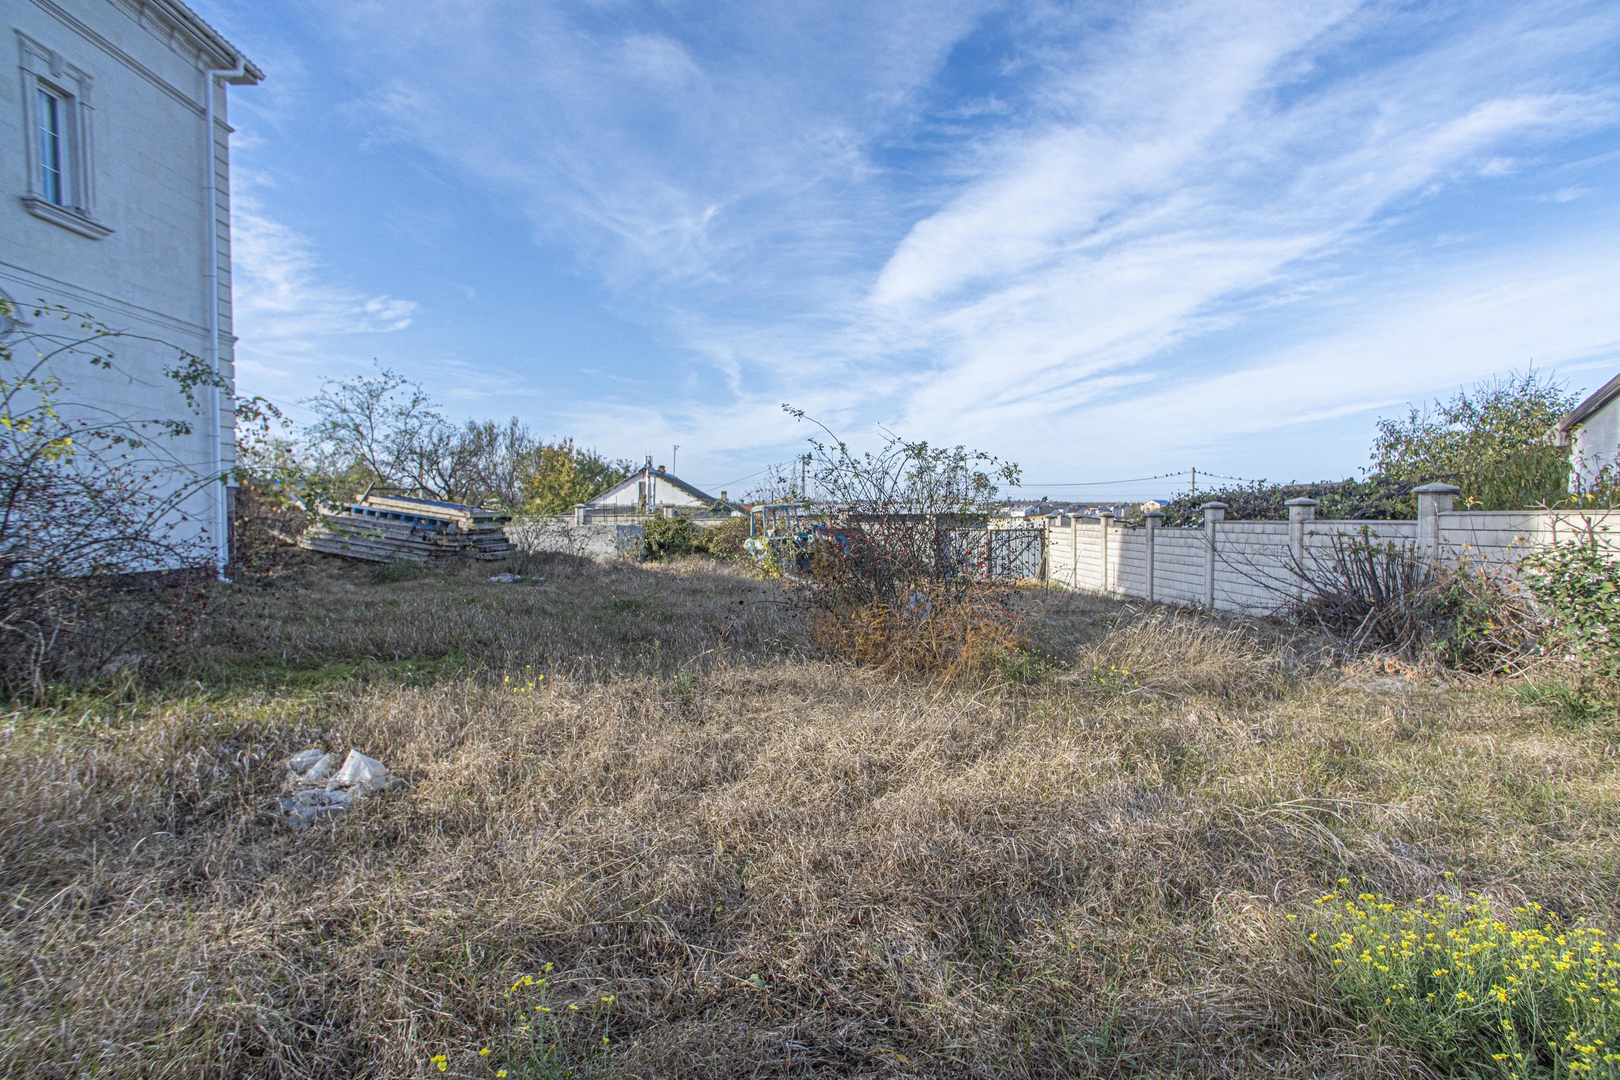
(672, 456)
(1195, 482)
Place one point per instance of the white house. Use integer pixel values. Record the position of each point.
(1592, 431)
(115, 166)
(647, 491)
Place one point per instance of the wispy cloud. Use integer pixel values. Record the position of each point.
(287, 312)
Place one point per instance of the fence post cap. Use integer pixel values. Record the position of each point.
(1437, 489)
(1303, 501)
(1154, 514)
(1213, 506)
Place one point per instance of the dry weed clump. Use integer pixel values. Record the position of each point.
(947, 634)
(773, 865)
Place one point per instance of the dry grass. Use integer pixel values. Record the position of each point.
(777, 866)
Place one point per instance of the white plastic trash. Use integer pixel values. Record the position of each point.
(361, 771)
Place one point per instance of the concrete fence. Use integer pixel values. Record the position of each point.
(1252, 567)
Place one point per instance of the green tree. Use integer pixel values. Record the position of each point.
(560, 475)
(1494, 443)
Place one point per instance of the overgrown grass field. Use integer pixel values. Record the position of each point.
(648, 833)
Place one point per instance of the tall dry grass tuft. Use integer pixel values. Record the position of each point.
(1184, 653)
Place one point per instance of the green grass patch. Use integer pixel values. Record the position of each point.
(1575, 706)
(410, 671)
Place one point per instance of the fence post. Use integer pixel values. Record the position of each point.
(1213, 512)
(579, 513)
(1154, 520)
(1074, 553)
(1107, 519)
(1433, 500)
(1301, 512)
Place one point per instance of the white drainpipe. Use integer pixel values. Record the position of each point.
(222, 525)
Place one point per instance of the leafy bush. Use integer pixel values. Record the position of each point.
(1476, 990)
(665, 538)
(724, 540)
(1375, 498)
(1578, 586)
(1492, 443)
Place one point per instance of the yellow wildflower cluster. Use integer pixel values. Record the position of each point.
(1113, 678)
(1457, 982)
(541, 1041)
(526, 685)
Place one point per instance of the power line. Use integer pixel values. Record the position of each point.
(1137, 480)
(1106, 483)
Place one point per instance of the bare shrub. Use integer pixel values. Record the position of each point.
(1384, 596)
(900, 571)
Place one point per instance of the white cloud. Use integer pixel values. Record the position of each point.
(281, 300)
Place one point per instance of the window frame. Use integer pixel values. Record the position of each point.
(45, 73)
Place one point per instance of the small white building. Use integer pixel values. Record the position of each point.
(1592, 432)
(115, 167)
(647, 491)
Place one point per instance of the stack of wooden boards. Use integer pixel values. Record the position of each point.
(395, 528)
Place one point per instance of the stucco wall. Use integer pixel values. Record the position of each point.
(149, 276)
(1596, 443)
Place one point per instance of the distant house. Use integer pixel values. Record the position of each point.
(648, 491)
(115, 165)
(1592, 432)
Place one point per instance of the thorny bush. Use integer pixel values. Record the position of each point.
(88, 501)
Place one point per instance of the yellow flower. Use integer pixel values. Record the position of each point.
(483, 1052)
(500, 1072)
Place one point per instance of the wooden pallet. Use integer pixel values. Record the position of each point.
(390, 528)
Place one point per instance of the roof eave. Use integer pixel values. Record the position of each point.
(1592, 405)
(211, 39)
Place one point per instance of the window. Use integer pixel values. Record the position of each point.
(57, 115)
(51, 158)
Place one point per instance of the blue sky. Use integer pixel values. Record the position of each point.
(1103, 240)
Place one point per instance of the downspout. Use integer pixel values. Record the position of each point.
(222, 525)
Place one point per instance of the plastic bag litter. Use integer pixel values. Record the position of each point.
(363, 772)
(320, 789)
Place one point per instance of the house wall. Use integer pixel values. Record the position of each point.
(148, 278)
(1596, 443)
(1252, 563)
(628, 494)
